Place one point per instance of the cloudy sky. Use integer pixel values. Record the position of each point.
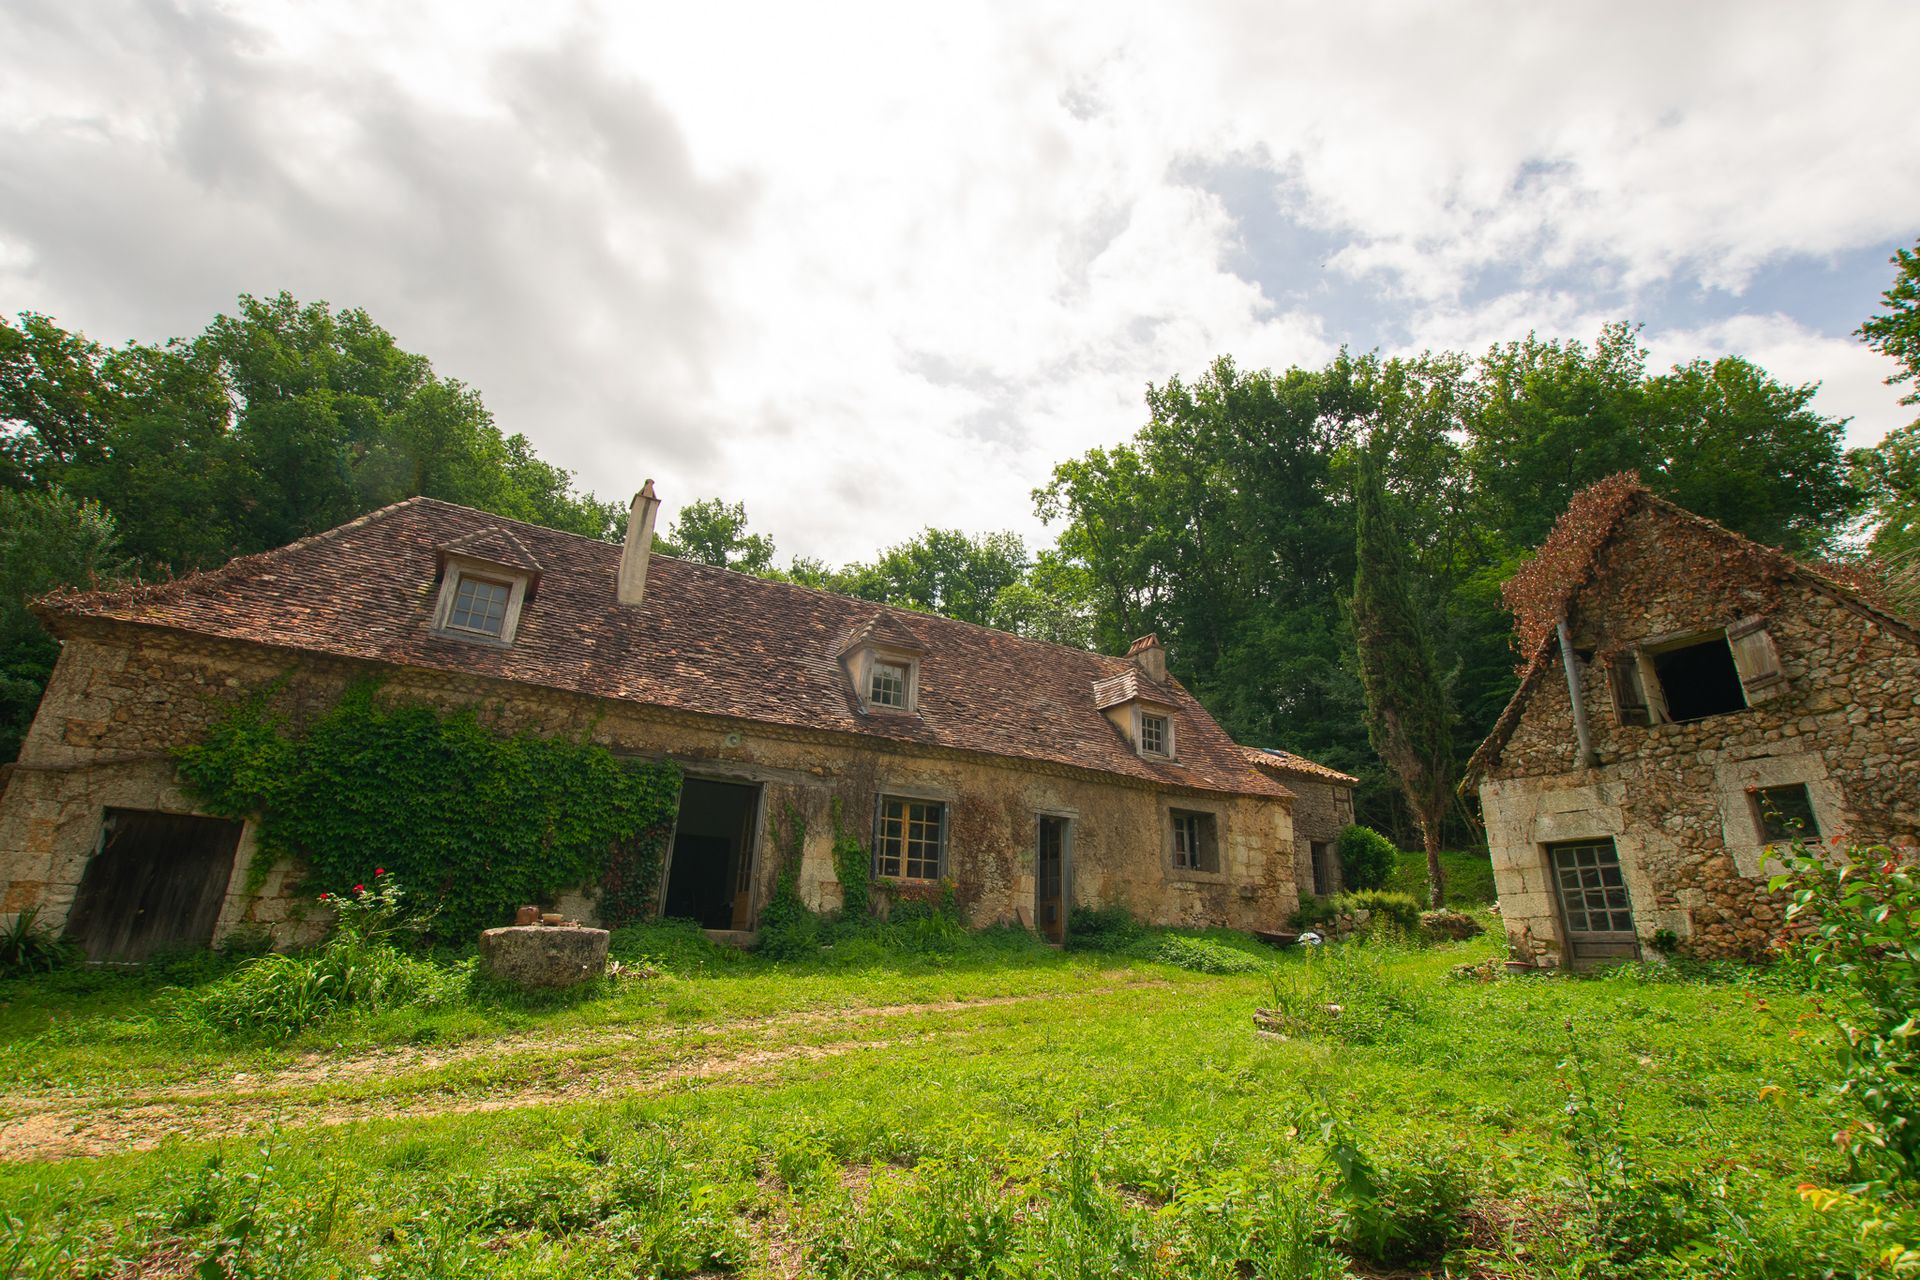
(869, 271)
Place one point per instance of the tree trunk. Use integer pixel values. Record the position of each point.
(1436, 874)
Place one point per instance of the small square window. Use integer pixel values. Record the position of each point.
(1154, 735)
(479, 605)
(1786, 813)
(910, 840)
(888, 687)
(1195, 845)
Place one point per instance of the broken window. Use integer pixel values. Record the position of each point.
(910, 843)
(1196, 847)
(1700, 676)
(1786, 813)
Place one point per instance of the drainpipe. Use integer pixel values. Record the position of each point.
(1587, 760)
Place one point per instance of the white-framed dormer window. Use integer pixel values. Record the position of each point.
(1156, 734)
(479, 602)
(890, 684)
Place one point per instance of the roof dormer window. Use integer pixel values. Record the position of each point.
(888, 687)
(1156, 734)
(882, 660)
(486, 579)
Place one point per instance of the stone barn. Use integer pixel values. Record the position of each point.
(1322, 809)
(1689, 699)
(1031, 777)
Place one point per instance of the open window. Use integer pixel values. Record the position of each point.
(1196, 841)
(1785, 813)
(1696, 676)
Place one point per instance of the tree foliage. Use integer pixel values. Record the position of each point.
(713, 531)
(1409, 713)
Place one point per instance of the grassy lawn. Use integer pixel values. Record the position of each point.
(998, 1108)
(1469, 877)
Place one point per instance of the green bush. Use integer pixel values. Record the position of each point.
(1395, 1211)
(1396, 908)
(1203, 955)
(358, 968)
(1367, 858)
(27, 946)
(1861, 950)
(1101, 929)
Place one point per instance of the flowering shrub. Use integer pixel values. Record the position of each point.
(371, 917)
(1858, 940)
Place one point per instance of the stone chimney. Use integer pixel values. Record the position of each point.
(633, 556)
(1150, 658)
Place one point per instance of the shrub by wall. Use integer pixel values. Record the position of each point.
(1367, 858)
(478, 822)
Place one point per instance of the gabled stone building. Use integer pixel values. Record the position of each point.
(1322, 809)
(1689, 698)
(1033, 777)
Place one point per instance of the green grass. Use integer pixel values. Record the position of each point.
(1003, 1109)
(1469, 877)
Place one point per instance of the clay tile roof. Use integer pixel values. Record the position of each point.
(1126, 686)
(494, 545)
(705, 641)
(1287, 762)
(884, 630)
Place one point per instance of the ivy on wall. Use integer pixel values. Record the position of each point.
(853, 867)
(480, 820)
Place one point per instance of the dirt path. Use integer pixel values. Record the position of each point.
(54, 1127)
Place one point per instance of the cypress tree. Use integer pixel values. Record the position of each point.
(1409, 713)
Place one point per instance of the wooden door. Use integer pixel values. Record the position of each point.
(1050, 879)
(1595, 910)
(156, 881)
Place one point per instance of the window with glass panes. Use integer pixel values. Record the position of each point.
(888, 687)
(479, 604)
(908, 844)
(1593, 893)
(1153, 734)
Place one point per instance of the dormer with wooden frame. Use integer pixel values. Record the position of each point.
(1138, 705)
(486, 580)
(881, 659)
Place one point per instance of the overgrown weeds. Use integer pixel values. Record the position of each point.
(29, 947)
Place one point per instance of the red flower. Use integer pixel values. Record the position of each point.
(325, 896)
(359, 888)
(379, 871)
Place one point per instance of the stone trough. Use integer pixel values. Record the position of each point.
(544, 955)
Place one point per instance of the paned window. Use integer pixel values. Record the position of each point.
(1194, 845)
(1153, 735)
(479, 605)
(911, 839)
(888, 688)
(1592, 891)
(1786, 813)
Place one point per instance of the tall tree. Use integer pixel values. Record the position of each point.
(1895, 332)
(1889, 472)
(47, 540)
(1409, 714)
(713, 531)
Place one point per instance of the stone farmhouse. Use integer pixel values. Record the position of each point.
(1689, 699)
(1031, 776)
(1322, 809)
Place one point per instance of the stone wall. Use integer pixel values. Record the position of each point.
(122, 697)
(1322, 809)
(1676, 798)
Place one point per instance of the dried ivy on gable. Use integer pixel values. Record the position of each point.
(480, 820)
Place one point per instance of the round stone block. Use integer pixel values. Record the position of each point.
(544, 955)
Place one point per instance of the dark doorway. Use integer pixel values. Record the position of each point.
(710, 875)
(1050, 879)
(1320, 852)
(156, 881)
(1699, 680)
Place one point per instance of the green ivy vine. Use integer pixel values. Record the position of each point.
(853, 867)
(479, 820)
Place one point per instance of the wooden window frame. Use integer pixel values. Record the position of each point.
(896, 847)
(1758, 798)
(904, 683)
(1205, 840)
(459, 571)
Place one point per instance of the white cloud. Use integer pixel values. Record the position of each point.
(869, 268)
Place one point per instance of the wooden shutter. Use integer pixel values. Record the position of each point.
(1755, 658)
(1629, 696)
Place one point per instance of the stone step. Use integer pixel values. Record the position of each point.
(742, 938)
